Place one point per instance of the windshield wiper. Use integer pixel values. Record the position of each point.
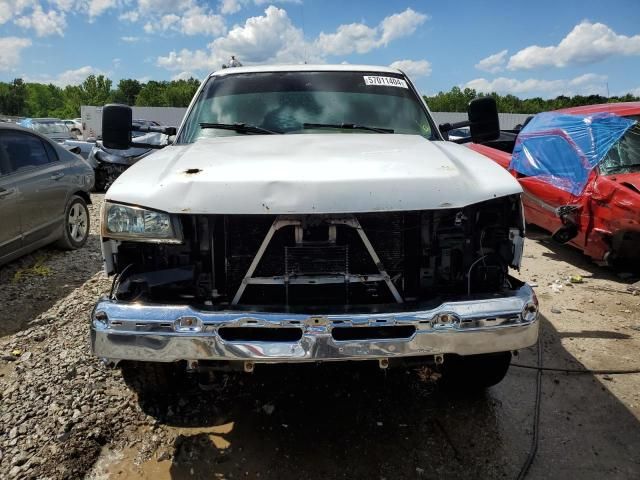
(238, 127)
(347, 126)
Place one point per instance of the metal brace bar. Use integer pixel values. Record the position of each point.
(377, 261)
(277, 224)
(280, 222)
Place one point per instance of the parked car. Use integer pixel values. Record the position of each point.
(44, 191)
(75, 127)
(586, 195)
(54, 128)
(109, 164)
(312, 214)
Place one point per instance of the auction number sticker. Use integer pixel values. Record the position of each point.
(385, 81)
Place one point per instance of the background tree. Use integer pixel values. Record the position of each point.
(18, 98)
(127, 91)
(13, 97)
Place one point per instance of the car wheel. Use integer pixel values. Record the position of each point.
(474, 372)
(76, 224)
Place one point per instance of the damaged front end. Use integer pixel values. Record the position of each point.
(290, 288)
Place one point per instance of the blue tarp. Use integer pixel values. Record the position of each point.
(562, 149)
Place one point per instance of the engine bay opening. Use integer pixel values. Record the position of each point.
(386, 258)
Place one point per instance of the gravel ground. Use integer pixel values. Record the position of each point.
(64, 415)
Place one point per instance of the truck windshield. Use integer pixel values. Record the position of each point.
(307, 102)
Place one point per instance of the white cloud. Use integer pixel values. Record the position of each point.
(586, 43)
(634, 91)
(268, 38)
(400, 25)
(130, 39)
(130, 16)
(68, 77)
(493, 63)
(587, 84)
(413, 68)
(44, 24)
(11, 8)
(193, 19)
(360, 38)
(273, 38)
(98, 7)
(184, 76)
(355, 37)
(228, 7)
(185, 59)
(159, 7)
(10, 51)
(199, 22)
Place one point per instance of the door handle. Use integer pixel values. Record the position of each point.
(57, 176)
(4, 192)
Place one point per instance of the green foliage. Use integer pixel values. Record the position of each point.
(39, 100)
(127, 91)
(456, 100)
(13, 97)
(177, 93)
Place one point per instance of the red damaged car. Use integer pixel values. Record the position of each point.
(580, 172)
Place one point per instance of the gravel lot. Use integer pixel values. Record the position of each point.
(63, 415)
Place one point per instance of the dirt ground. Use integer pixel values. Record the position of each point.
(319, 422)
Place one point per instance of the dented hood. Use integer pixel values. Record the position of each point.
(312, 173)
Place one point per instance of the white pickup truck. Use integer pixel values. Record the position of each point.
(313, 214)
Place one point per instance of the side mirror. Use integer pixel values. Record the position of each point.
(483, 119)
(117, 122)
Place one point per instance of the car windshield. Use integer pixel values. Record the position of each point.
(48, 128)
(624, 156)
(307, 102)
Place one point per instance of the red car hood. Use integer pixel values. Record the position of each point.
(628, 180)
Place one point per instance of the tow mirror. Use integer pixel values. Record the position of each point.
(483, 119)
(117, 122)
(483, 123)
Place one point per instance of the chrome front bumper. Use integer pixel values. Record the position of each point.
(167, 333)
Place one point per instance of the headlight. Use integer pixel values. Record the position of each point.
(122, 222)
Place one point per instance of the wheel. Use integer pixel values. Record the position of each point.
(474, 372)
(76, 224)
(152, 378)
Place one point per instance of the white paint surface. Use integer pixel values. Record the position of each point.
(312, 173)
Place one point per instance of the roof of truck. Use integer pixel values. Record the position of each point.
(306, 68)
(620, 108)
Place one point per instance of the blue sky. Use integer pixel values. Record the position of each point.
(542, 48)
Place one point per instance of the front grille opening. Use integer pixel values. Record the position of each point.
(372, 333)
(260, 334)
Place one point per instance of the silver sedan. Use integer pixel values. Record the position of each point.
(44, 191)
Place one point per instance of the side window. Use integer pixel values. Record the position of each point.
(24, 150)
(51, 152)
